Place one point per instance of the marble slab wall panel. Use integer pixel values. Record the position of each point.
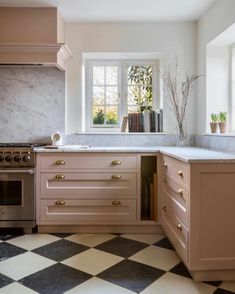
(223, 143)
(121, 139)
(32, 103)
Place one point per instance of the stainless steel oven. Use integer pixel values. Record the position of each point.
(17, 180)
(17, 201)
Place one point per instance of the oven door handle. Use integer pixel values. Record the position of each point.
(17, 171)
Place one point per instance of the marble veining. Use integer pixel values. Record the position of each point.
(32, 103)
(216, 142)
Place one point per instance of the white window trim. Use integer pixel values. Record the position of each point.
(122, 60)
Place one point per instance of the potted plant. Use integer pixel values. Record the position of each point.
(222, 121)
(214, 122)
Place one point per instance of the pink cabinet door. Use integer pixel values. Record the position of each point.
(74, 211)
(79, 183)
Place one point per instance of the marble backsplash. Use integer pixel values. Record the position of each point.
(216, 142)
(32, 103)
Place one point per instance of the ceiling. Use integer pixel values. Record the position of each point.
(122, 10)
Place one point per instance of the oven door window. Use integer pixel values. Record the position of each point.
(10, 193)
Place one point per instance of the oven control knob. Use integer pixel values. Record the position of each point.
(26, 158)
(8, 158)
(17, 158)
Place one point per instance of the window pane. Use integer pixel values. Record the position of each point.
(133, 95)
(98, 115)
(111, 115)
(98, 75)
(146, 95)
(111, 75)
(133, 75)
(111, 95)
(98, 95)
(146, 74)
(133, 109)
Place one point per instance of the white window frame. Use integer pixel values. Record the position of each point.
(122, 63)
(232, 91)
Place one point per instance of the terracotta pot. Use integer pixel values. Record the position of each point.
(222, 127)
(214, 127)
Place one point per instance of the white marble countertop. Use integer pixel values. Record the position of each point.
(187, 154)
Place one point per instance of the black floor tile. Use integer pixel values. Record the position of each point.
(122, 246)
(60, 250)
(55, 279)
(7, 250)
(10, 233)
(222, 291)
(5, 280)
(164, 243)
(131, 275)
(213, 283)
(62, 235)
(181, 270)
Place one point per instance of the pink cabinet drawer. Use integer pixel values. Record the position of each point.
(180, 194)
(177, 233)
(84, 161)
(176, 170)
(74, 211)
(77, 184)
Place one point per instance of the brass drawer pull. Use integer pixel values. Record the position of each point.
(60, 177)
(116, 203)
(180, 192)
(179, 227)
(165, 180)
(60, 203)
(164, 208)
(60, 162)
(180, 173)
(165, 164)
(116, 177)
(116, 162)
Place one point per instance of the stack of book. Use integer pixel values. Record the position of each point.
(153, 121)
(136, 122)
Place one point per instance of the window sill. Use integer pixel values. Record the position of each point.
(120, 133)
(219, 134)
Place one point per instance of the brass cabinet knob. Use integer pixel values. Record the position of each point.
(60, 202)
(165, 164)
(164, 208)
(116, 177)
(165, 180)
(60, 177)
(180, 192)
(116, 162)
(60, 162)
(116, 203)
(180, 173)
(179, 227)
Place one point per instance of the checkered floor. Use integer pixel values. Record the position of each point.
(96, 263)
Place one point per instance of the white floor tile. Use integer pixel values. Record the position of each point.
(24, 264)
(157, 257)
(175, 284)
(92, 261)
(16, 288)
(146, 238)
(32, 241)
(91, 240)
(228, 285)
(98, 286)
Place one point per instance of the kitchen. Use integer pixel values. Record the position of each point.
(75, 196)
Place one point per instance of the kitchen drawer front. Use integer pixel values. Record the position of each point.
(65, 161)
(176, 190)
(178, 237)
(172, 207)
(76, 184)
(71, 211)
(176, 170)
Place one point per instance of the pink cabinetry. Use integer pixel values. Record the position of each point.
(83, 188)
(197, 214)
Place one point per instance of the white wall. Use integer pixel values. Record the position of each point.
(217, 81)
(216, 20)
(169, 39)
